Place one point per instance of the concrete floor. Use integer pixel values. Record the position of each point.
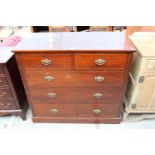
(15, 122)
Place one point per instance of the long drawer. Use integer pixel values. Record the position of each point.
(65, 95)
(100, 61)
(5, 93)
(46, 61)
(76, 110)
(7, 104)
(73, 78)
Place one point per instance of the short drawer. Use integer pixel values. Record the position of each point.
(100, 61)
(45, 61)
(74, 78)
(5, 93)
(3, 81)
(7, 104)
(65, 95)
(76, 110)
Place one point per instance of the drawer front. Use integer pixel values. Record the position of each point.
(7, 104)
(74, 79)
(5, 93)
(76, 110)
(150, 65)
(100, 61)
(1, 70)
(3, 81)
(45, 61)
(65, 95)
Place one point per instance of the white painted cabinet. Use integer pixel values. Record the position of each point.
(140, 94)
(146, 98)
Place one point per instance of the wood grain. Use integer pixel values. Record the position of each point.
(131, 29)
(58, 61)
(3, 81)
(76, 110)
(75, 42)
(73, 78)
(96, 120)
(59, 28)
(112, 61)
(7, 104)
(12, 95)
(1, 71)
(5, 92)
(73, 73)
(70, 95)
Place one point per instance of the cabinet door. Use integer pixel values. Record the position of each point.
(146, 99)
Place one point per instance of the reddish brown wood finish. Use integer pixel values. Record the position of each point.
(58, 61)
(63, 42)
(1, 71)
(100, 28)
(74, 72)
(12, 95)
(112, 61)
(3, 81)
(59, 28)
(5, 92)
(77, 110)
(131, 29)
(96, 120)
(78, 95)
(7, 104)
(73, 78)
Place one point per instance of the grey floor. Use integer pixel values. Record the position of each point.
(15, 122)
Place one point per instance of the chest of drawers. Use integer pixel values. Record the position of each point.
(12, 95)
(75, 77)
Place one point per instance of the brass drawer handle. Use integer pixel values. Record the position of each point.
(54, 111)
(98, 95)
(49, 78)
(100, 62)
(52, 95)
(97, 111)
(99, 78)
(46, 62)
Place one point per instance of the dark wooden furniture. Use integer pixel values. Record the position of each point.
(50, 28)
(75, 77)
(12, 95)
(71, 28)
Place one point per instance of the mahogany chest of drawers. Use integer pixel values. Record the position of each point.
(12, 95)
(75, 77)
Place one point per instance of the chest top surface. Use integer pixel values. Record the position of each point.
(74, 41)
(144, 42)
(5, 54)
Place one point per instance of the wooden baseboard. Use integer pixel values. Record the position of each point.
(76, 120)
